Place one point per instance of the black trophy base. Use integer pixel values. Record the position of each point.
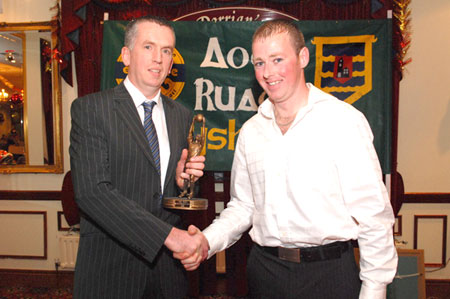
(183, 203)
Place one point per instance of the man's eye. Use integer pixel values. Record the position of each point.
(167, 51)
(277, 60)
(147, 47)
(258, 64)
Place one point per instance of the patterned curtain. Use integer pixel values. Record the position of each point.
(81, 23)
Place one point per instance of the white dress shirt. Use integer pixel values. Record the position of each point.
(159, 119)
(318, 183)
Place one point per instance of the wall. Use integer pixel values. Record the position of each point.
(424, 122)
(424, 128)
(34, 11)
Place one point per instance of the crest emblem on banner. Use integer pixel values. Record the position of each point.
(173, 84)
(344, 65)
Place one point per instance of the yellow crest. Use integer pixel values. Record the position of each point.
(344, 65)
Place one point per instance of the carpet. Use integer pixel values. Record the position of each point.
(32, 293)
(64, 293)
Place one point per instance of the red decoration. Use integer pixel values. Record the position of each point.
(6, 158)
(16, 98)
(57, 56)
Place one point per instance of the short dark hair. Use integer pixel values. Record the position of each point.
(131, 29)
(273, 27)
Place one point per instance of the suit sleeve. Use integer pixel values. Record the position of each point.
(118, 216)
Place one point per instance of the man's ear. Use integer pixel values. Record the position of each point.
(304, 57)
(125, 53)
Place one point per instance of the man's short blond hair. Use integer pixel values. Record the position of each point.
(270, 28)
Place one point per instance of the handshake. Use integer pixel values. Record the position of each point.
(190, 247)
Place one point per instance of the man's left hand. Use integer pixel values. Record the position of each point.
(185, 170)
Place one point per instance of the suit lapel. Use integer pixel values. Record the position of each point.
(126, 110)
(172, 132)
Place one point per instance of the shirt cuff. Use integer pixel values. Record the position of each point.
(211, 242)
(372, 292)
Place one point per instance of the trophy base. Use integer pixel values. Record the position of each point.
(181, 203)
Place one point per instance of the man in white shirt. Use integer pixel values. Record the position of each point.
(306, 179)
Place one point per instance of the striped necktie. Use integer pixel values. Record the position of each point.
(150, 131)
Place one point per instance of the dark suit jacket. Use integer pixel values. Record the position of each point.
(117, 188)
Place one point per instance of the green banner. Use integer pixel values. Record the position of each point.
(213, 75)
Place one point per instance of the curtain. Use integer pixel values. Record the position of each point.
(47, 96)
(81, 22)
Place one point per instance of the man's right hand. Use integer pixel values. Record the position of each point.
(191, 246)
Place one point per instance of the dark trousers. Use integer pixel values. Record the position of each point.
(105, 270)
(271, 277)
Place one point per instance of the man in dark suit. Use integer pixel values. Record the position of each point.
(119, 182)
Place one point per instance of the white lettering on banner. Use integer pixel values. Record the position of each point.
(247, 102)
(199, 94)
(218, 98)
(231, 18)
(244, 57)
(214, 49)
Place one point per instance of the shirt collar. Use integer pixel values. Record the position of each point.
(137, 96)
(266, 108)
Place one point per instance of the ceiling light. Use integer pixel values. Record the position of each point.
(10, 57)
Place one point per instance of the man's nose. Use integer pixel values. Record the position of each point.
(268, 70)
(157, 55)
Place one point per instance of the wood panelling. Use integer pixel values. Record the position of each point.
(398, 225)
(17, 238)
(62, 223)
(426, 198)
(56, 195)
(443, 238)
(30, 195)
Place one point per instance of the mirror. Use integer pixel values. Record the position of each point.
(30, 98)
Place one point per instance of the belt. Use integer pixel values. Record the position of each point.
(309, 254)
